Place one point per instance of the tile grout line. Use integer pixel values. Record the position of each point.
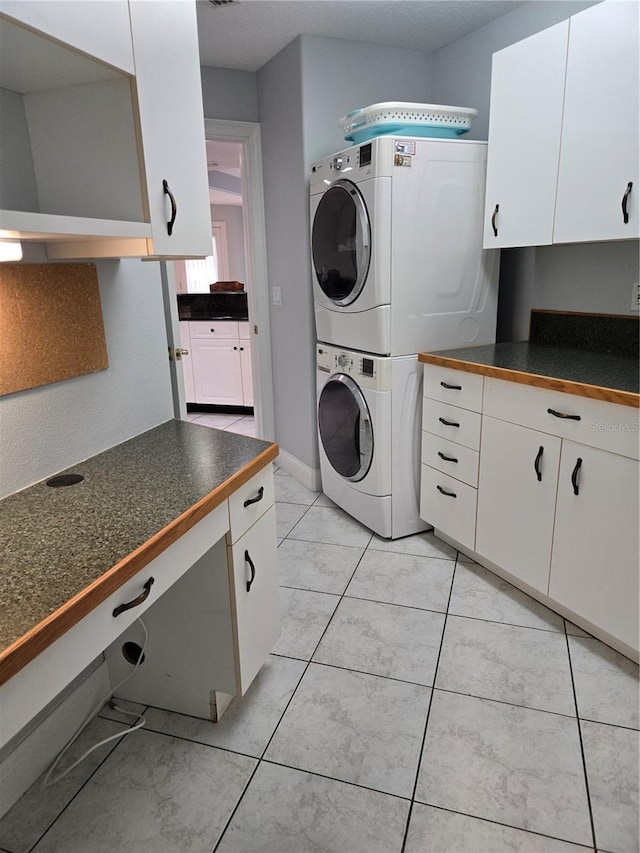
(426, 724)
(584, 760)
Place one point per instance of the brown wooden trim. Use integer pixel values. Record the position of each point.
(30, 645)
(580, 389)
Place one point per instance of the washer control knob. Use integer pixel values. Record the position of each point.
(337, 163)
(343, 360)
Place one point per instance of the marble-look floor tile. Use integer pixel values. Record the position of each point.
(611, 758)
(287, 516)
(573, 630)
(481, 594)
(153, 793)
(354, 727)
(423, 582)
(288, 811)
(38, 807)
(607, 684)
(244, 426)
(507, 764)
(383, 639)
(441, 831)
(523, 666)
(134, 710)
(304, 616)
(323, 500)
(249, 721)
(217, 421)
(317, 566)
(289, 490)
(420, 544)
(331, 525)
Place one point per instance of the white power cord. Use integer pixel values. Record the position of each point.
(48, 780)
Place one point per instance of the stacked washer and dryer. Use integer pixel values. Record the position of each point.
(398, 268)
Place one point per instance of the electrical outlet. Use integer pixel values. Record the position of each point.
(635, 296)
(276, 295)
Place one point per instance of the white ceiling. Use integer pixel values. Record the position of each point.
(246, 34)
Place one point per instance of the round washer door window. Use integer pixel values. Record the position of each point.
(345, 427)
(341, 243)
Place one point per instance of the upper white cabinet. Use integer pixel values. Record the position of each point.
(524, 139)
(599, 157)
(563, 158)
(103, 112)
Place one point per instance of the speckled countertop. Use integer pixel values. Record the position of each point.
(54, 542)
(582, 371)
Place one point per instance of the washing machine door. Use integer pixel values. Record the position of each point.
(345, 427)
(341, 242)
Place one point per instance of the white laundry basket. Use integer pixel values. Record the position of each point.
(429, 120)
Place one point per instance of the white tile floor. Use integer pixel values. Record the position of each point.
(414, 702)
(244, 424)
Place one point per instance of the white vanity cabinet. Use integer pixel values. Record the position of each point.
(550, 497)
(563, 154)
(99, 124)
(187, 362)
(221, 362)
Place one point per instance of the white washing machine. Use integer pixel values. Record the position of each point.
(396, 245)
(369, 428)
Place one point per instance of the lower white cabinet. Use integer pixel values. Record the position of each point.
(516, 499)
(187, 362)
(220, 363)
(594, 565)
(558, 514)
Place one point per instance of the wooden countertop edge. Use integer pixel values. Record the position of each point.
(581, 389)
(37, 639)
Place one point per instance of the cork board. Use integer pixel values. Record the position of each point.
(51, 324)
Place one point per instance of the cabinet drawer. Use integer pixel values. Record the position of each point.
(453, 386)
(450, 458)
(608, 426)
(213, 329)
(253, 580)
(250, 501)
(451, 422)
(449, 505)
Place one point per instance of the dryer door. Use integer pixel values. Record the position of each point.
(345, 427)
(341, 242)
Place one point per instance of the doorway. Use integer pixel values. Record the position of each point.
(251, 261)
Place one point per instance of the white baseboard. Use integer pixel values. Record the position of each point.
(31, 757)
(309, 477)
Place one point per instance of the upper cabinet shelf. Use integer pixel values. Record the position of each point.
(563, 154)
(106, 157)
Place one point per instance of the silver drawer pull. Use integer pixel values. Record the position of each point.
(136, 601)
(255, 500)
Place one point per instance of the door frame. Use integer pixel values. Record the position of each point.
(248, 134)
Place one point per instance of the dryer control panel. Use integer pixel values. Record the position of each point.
(370, 371)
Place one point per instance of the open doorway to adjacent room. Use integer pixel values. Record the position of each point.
(227, 374)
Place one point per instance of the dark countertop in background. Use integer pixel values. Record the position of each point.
(213, 306)
(57, 541)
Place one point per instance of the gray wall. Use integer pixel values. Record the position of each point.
(303, 92)
(581, 277)
(46, 429)
(232, 215)
(229, 94)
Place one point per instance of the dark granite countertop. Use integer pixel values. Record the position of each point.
(56, 541)
(590, 374)
(213, 306)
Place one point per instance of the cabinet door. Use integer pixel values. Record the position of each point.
(165, 49)
(594, 569)
(247, 378)
(217, 376)
(527, 89)
(516, 505)
(599, 154)
(254, 597)
(98, 29)
(187, 363)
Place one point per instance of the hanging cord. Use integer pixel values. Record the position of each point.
(48, 780)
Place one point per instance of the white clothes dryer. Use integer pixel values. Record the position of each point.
(369, 429)
(396, 245)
